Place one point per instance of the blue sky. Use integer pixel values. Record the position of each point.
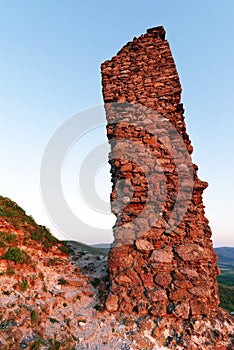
(50, 56)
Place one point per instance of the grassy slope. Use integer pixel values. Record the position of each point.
(14, 218)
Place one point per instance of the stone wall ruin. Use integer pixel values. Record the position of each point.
(162, 261)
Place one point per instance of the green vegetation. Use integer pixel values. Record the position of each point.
(10, 271)
(98, 307)
(226, 294)
(6, 323)
(95, 282)
(24, 285)
(37, 344)
(13, 213)
(6, 237)
(53, 320)
(64, 248)
(16, 254)
(62, 281)
(55, 345)
(17, 216)
(42, 234)
(226, 277)
(6, 292)
(34, 316)
(52, 261)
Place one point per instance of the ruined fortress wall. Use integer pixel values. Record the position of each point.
(162, 261)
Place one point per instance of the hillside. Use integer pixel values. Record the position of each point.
(52, 293)
(225, 257)
(45, 299)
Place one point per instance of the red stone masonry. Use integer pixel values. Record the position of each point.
(165, 268)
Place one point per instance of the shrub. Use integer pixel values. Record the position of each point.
(53, 320)
(55, 345)
(36, 235)
(43, 235)
(6, 237)
(34, 316)
(6, 292)
(24, 285)
(16, 254)
(52, 262)
(98, 307)
(64, 248)
(10, 271)
(37, 345)
(14, 213)
(62, 281)
(95, 282)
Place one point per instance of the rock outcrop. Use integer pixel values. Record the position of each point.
(162, 261)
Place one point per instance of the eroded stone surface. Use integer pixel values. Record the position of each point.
(163, 267)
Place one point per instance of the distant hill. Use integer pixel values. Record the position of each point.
(226, 264)
(97, 249)
(226, 257)
(104, 247)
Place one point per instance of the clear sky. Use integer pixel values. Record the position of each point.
(50, 56)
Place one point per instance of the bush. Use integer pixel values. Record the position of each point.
(64, 248)
(6, 237)
(16, 254)
(98, 307)
(36, 235)
(24, 285)
(37, 345)
(10, 271)
(52, 261)
(53, 320)
(43, 235)
(95, 282)
(34, 316)
(55, 345)
(6, 292)
(62, 281)
(14, 213)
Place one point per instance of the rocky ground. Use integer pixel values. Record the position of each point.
(52, 297)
